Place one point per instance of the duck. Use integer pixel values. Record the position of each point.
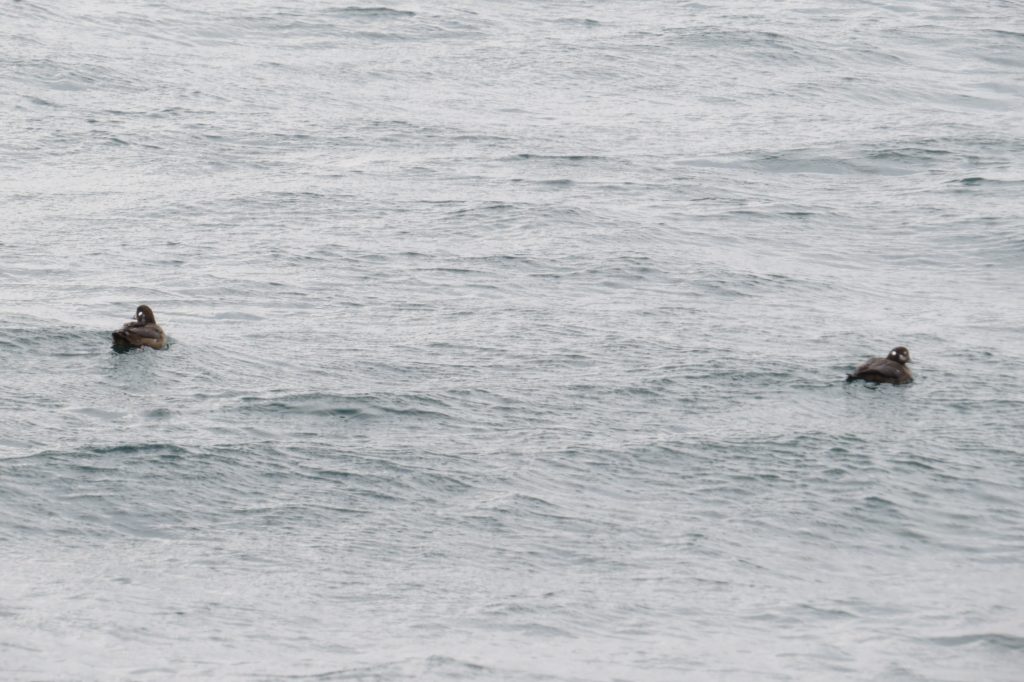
(143, 331)
(892, 369)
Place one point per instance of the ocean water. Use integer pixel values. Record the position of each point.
(508, 340)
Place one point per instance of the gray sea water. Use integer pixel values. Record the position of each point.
(508, 340)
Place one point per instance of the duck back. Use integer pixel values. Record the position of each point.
(882, 371)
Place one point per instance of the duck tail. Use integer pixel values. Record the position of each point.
(120, 340)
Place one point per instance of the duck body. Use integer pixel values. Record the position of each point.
(141, 332)
(892, 369)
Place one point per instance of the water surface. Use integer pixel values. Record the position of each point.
(508, 341)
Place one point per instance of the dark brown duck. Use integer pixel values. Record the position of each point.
(891, 369)
(142, 331)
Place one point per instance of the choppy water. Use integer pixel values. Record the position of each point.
(508, 340)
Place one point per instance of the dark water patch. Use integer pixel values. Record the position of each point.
(557, 182)
(975, 181)
(578, 21)
(371, 12)
(770, 46)
(912, 156)
(1007, 33)
(41, 102)
(881, 162)
(827, 613)
(723, 282)
(99, 455)
(990, 639)
(349, 407)
(298, 515)
(574, 158)
(490, 206)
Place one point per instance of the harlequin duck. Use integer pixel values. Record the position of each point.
(142, 331)
(891, 369)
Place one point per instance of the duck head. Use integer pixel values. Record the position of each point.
(899, 354)
(144, 314)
